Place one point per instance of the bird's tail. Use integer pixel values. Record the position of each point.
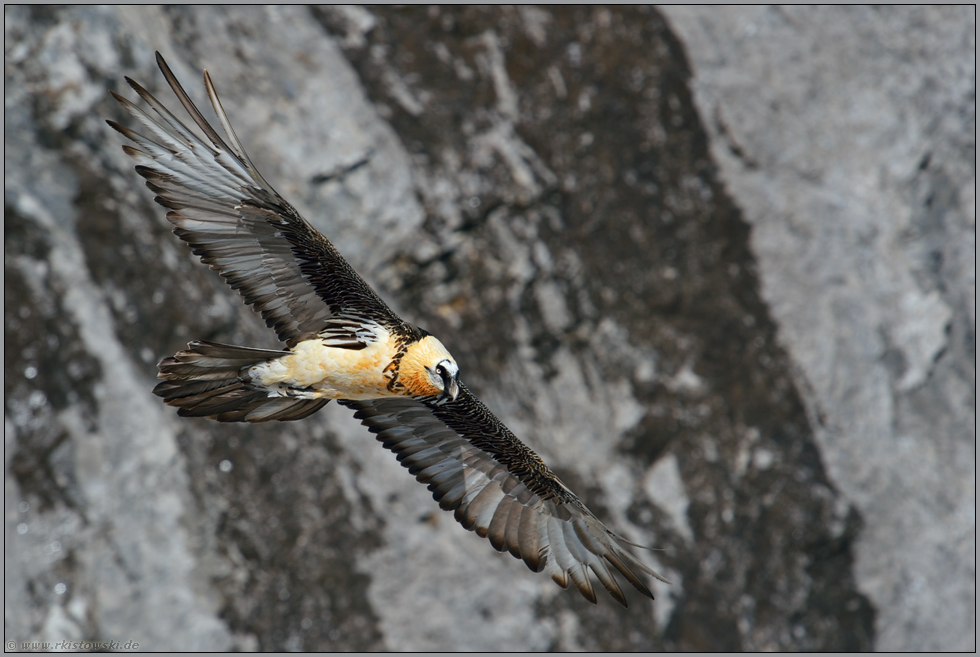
(207, 380)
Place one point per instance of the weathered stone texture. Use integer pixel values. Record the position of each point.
(739, 321)
(848, 138)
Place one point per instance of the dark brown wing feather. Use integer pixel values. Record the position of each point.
(231, 217)
(500, 489)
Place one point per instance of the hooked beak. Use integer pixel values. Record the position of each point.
(450, 387)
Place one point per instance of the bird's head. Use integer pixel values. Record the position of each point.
(427, 369)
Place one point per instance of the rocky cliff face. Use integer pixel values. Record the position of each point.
(717, 269)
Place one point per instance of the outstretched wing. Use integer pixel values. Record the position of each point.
(231, 217)
(499, 488)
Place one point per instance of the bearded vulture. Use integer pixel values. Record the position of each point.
(341, 341)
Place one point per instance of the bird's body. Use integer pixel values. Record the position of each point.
(342, 342)
(315, 370)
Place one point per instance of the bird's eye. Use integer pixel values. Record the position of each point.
(441, 370)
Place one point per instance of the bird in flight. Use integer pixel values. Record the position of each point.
(341, 341)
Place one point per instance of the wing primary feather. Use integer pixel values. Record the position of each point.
(168, 116)
(639, 565)
(174, 137)
(608, 581)
(230, 131)
(580, 577)
(630, 576)
(588, 538)
(129, 133)
(189, 105)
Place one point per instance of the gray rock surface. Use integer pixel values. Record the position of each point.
(848, 138)
(536, 187)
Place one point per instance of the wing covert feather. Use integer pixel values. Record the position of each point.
(499, 488)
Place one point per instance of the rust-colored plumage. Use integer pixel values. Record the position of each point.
(341, 341)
